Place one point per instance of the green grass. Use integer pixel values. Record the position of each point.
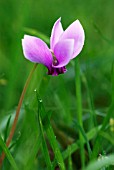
(71, 127)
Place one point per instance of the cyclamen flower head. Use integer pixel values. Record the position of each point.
(64, 46)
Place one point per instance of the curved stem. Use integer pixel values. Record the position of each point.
(17, 112)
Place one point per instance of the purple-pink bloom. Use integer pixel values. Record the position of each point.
(64, 46)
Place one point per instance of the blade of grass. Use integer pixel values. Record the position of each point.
(107, 136)
(33, 154)
(93, 121)
(98, 164)
(73, 147)
(84, 136)
(16, 141)
(6, 129)
(111, 108)
(44, 146)
(69, 159)
(56, 150)
(101, 34)
(8, 154)
(51, 136)
(79, 108)
(18, 111)
(106, 119)
(99, 138)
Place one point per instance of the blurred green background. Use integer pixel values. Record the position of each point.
(58, 93)
(96, 17)
(96, 59)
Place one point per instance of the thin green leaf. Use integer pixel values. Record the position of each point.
(104, 162)
(107, 136)
(70, 159)
(93, 120)
(55, 147)
(15, 142)
(6, 129)
(44, 146)
(73, 147)
(102, 35)
(105, 121)
(8, 154)
(33, 153)
(79, 107)
(51, 136)
(85, 137)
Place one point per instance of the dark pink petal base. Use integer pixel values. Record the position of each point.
(56, 71)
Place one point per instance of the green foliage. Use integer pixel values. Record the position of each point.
(74, 122)
(102, 163)
(8, 154)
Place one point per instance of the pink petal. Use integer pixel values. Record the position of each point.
(63, 51)
(75, 31)
(57, 30)
(36, 50)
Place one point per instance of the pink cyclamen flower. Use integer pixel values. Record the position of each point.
(64, 46)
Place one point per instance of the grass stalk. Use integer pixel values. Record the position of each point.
(55, 147)
(45, 119)
(79, 108)
(44, 146)
(17, 112)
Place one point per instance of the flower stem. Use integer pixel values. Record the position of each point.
(79, 108)
(17, 112)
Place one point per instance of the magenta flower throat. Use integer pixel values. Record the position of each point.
(64, 46)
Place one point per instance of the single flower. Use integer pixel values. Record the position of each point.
(64, 46)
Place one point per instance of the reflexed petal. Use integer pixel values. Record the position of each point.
(36, 50)
(75, 31)
(57, 30)
(63, 51)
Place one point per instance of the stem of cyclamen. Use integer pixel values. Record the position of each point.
(17, 112)
(79, 108)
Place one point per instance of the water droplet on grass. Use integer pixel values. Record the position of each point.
(40, 100)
